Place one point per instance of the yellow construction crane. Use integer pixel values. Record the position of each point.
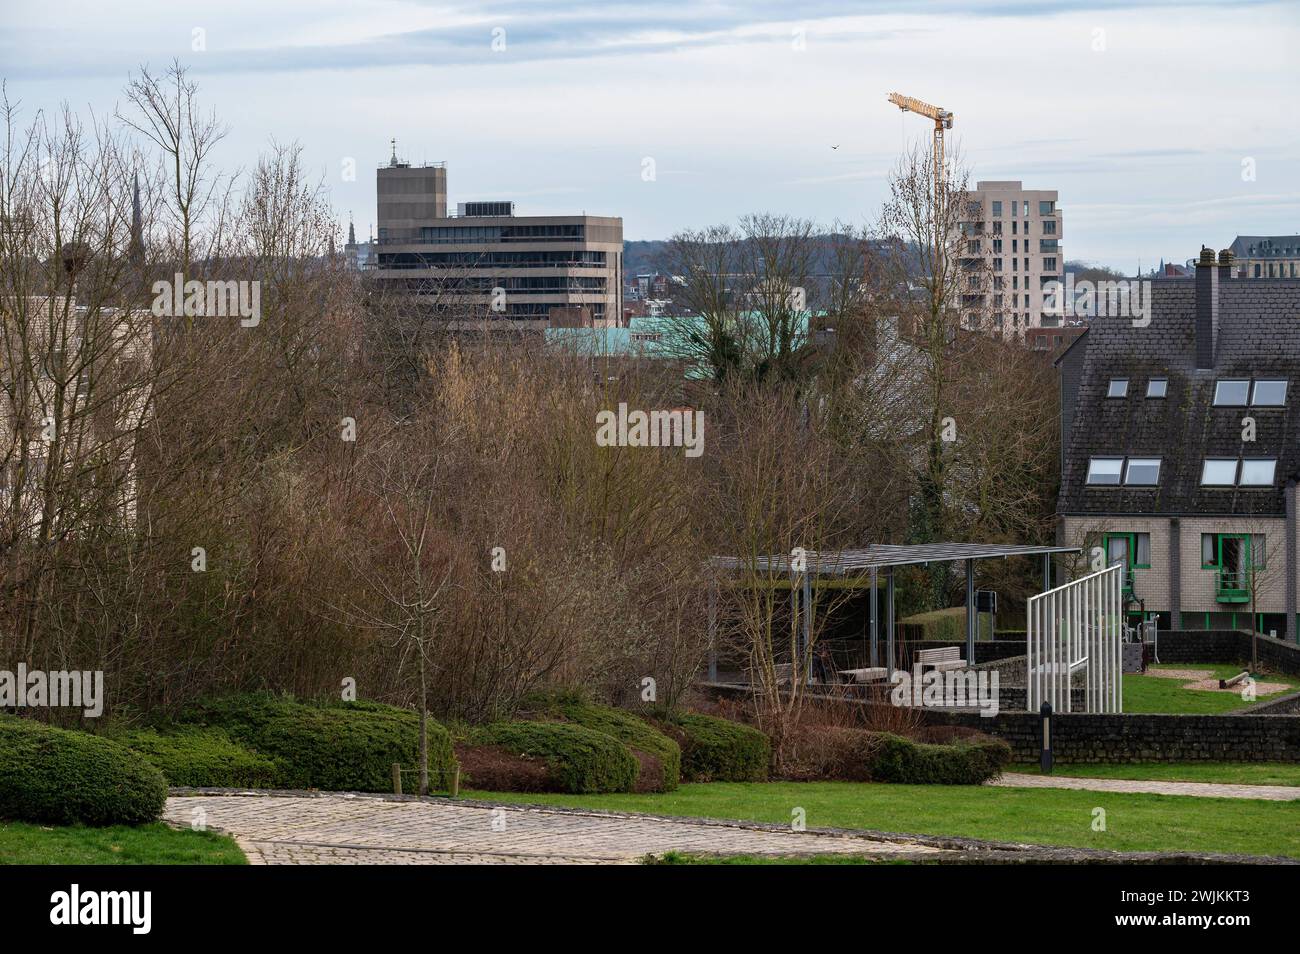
(942, 120)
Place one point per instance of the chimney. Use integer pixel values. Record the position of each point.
(1227, 269)
(1207, 309)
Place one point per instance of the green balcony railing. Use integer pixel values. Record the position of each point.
(1233, 586)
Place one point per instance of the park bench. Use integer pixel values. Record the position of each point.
(940, 659)
(869, 674)
(1061, 668)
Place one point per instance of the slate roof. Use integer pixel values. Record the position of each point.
(1259, 336)
(882, 556)
(1265, 246)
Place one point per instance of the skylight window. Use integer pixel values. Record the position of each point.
(1258, 473)
(1143, 471)
(1118, 388)
(1231, 393)
(1105, 470)
(1269, 394)
(1157, 388)
(1218, 472)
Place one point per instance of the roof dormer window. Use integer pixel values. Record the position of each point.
(1131, 471)
(1231, 393)
(1105, 470)
(1142, 471)
(1219, 472)
(1230, 472)
(1258, 473)
(1268, 393)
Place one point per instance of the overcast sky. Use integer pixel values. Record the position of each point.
(1142, 115)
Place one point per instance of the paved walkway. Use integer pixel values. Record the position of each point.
(1272, 793)
(356, 829)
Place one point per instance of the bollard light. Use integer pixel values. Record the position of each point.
(1045, 759)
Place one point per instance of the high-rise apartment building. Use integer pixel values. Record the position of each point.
(1016, 233)
(485, 263)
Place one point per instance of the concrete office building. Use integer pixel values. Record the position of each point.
(1017, 233)
(485, 263)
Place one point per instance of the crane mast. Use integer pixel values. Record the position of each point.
(942, 119)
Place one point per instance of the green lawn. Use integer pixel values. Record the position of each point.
(1154, 694)
(1036, 816)
(155, 844)
(1233, 773)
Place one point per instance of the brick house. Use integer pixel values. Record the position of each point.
(1181, 451)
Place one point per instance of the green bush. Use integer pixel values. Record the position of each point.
(63, 777)
(580, 760)
(719, 750)
(900, 760)
(946, 625)
(631, 730)
(203, 757)
(348, 746)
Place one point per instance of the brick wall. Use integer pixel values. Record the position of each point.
(1141, 738)
(1198, 584)
(1203, 646)
(1152, 585)
(1228, 646)
(1283, 705)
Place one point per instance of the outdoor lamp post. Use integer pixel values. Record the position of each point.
(1045, 759)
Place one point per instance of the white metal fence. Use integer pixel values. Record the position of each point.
(1077, 628)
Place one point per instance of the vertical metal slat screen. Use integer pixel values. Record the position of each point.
(1076, 627)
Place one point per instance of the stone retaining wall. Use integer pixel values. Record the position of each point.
(1080, 737)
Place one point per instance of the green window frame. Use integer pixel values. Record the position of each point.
(1212, 549)
(1138, 544)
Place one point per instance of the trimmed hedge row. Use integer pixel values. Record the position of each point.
(626, 727)
(349, 746)
(65, 777)
(903, 761)
(203, 757)
(580, 760)
(719, 750)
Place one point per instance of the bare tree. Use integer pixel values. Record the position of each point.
(77, 381)
(406, 569)
(167, 114)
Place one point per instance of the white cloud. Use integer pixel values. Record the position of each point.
(1133, 137)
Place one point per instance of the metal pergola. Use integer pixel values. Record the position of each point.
(866, 564)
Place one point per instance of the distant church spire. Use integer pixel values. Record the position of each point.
(352, 231)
